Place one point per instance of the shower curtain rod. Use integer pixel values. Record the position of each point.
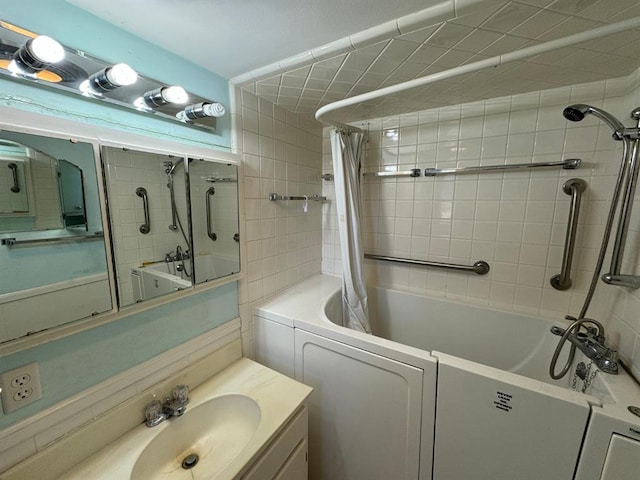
(476, 66)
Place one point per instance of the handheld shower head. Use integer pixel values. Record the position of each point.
(171, 166)
(577, 112)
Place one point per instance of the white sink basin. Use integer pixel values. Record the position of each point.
(229, 421)
(212, 435)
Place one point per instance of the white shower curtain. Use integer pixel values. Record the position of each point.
(347, 149)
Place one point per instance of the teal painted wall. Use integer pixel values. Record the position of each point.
(77, 362)
(78, 29)
(74, 363)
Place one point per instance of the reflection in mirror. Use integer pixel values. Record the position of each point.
(149, 225)
(14, 178)
(54, 269)
(72, 195)
(214, 210)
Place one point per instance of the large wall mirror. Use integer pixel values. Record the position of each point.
(147, 205)
(52, 250)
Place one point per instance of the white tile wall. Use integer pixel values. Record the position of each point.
(514, 220)
(281, 244)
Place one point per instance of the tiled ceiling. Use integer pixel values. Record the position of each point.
(492, 31)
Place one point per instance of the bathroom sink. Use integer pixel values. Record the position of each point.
(230, 419)
(207, 438)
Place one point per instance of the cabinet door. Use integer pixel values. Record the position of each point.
(286, 456)
(623, 459)
(364, 413)
(295, 468)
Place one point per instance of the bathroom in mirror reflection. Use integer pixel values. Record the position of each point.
(214, 210)
(149, 224)
(51, 233)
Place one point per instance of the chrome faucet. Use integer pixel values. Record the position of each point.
(181, 255)
(157, 412)
(591, 342)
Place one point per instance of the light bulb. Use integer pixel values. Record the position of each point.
(214, 109)
(201, 110)
(46, 49)
(121, 75)
(174, 94)
(35, 55)
(163, 95)
(110, 78)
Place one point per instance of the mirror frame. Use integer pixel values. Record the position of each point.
(39, 124)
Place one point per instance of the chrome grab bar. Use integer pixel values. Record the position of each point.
(574, 187)
(480, 267)
(210, 193)
(569, 164)
(146, 226)
(14, 173)
(316, 198)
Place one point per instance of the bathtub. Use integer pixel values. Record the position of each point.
(443, 390)
(157, 279)
(160, 278)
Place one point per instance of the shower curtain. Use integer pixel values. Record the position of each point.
(347, 149)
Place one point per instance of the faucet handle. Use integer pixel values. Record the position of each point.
(154, 414)
(180, 394)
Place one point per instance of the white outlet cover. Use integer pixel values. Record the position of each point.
(20, 387)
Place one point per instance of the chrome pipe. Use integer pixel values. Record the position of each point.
(625, 211)
(210, 193)
(574, 187)
(569, 164)
(632, 152)
(480, 267)
(146, 226)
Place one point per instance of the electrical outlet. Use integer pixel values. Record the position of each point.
(20, 387)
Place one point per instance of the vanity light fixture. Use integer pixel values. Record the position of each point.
(161, 96)
(36, 54)
(201, 110)
(109, 78)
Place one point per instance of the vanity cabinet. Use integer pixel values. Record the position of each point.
(286, 456)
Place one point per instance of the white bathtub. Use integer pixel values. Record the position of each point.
(442, 391)
(157, 279)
